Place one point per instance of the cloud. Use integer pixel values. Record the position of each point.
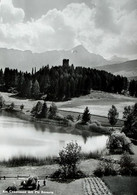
(10, 14)
(35, 8)
(47, 33)
(106, 27)
(104, 18)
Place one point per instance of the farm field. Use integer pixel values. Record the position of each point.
(121, 185)
(118, 185)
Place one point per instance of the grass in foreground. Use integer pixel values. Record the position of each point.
(120, 185)
(50, 160)
(91, 155)
(28, 161)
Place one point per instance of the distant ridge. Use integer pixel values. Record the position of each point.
(128, 69)
(25, 60)
(79, 56)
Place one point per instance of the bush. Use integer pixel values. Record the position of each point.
(105, 168)
(59, 174)
(94, 127)
(70, 117)
(12, 105)
(118, 143)
(59, 117)
(96, 122)
(127, 166)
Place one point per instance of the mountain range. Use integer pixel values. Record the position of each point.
(79, 56)
(128, 69)
(25, 60)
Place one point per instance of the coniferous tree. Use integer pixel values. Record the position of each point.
(53, 110)
(44, 110)
(64, 82)
(36, 110)
(132, 87)
(130, 124)
(28, 88)
(113, 116)
(1, 77)
(35, 90)
(86, 116)
(2, 101)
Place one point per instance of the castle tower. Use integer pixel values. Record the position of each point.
(65, 62)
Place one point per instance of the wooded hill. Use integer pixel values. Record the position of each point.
(61, 83)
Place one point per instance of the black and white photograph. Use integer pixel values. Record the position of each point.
(68, 97)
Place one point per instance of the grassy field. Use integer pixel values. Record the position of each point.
(98, 102)
(122, 185)
(52, 187)
(86, 166)
(118, 185)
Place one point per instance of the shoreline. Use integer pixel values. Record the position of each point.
(66, 127)
(63, 108)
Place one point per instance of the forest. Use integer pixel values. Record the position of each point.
(60, 83)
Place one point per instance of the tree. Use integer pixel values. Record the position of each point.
(86, 115)
(130, 124)
(21, 107)
(113, 116)
(44, 110)
(53, 110)
(69, 158)
(132, 87)
(127, 111)
(12, 105)
(36, 110)
(35, 89)
(1, 77)
(26, 88)
(1, 101)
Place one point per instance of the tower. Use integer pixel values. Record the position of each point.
(65, 62)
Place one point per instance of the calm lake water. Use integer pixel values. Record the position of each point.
(19, 137)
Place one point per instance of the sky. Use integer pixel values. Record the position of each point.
(105, 27)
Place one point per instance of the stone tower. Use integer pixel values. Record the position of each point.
(65, 62)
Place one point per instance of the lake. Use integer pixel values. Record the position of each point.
(19, 137)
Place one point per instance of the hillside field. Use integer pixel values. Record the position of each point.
(98, 103)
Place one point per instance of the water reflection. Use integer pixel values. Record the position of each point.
(85, 136)
(19, 137)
